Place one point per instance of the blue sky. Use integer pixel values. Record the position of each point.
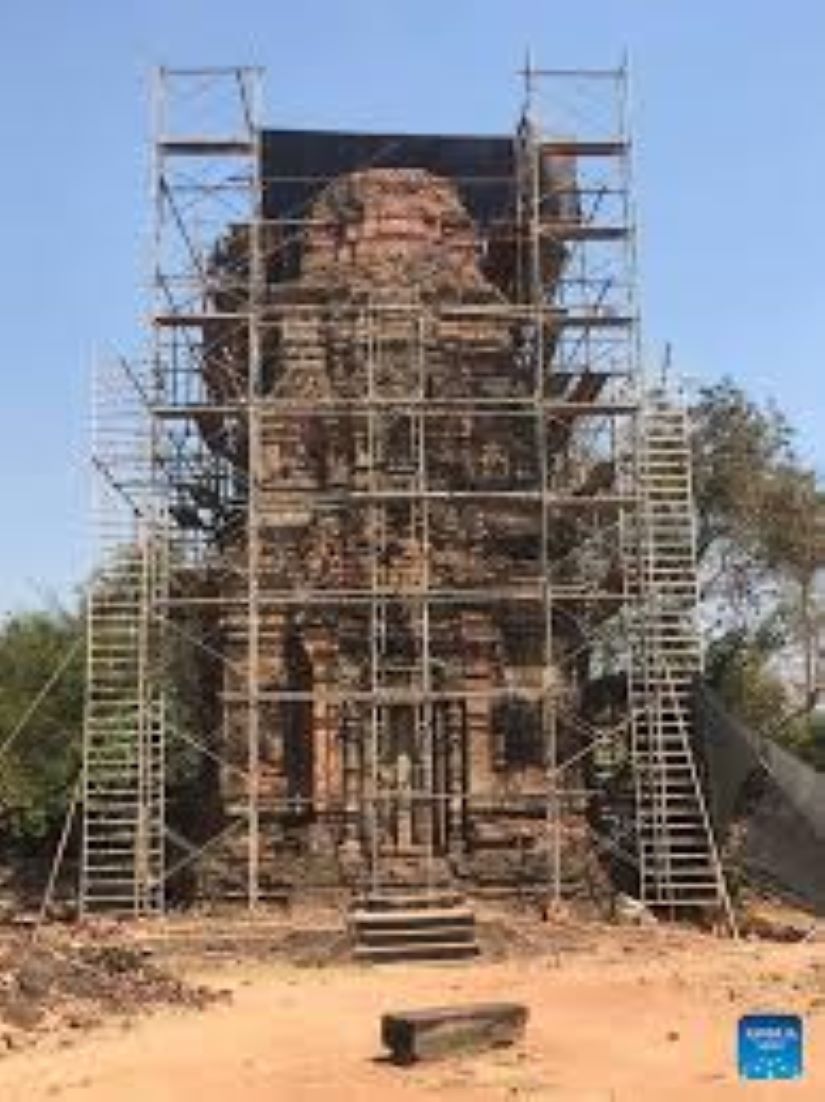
(730, 97)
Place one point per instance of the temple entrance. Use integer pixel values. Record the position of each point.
(420, 780)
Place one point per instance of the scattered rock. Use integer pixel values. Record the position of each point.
(632, 912)
(73, 984)
(21, 1012)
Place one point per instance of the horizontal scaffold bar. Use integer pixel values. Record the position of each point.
(428, 407)
(382, 696)
(570, 147)
(375, 312)
(206, 147)
(552, 501)
(335, 597)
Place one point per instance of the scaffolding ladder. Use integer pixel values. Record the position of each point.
(123, 805)
(678, 860)
(123, 739)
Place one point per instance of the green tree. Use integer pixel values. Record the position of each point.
(41, 718)
(761, 555)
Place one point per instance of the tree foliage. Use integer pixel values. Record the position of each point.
(39, 761)
(761, 554)
(737, 447)
(42, 689)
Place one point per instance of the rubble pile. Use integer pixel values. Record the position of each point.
(54, 983)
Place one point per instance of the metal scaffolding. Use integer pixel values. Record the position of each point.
(434, 552)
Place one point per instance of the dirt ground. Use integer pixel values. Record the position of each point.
(616, 1015)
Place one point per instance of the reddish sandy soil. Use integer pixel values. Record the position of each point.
(625, 1016)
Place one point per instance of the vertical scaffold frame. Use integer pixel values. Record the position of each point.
(195, 504)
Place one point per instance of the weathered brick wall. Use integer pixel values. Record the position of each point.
(388, 236)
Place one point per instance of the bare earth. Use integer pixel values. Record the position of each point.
(645, 1015)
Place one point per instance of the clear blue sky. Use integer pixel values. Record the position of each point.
(731, 170)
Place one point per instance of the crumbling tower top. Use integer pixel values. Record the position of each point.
(394, 229)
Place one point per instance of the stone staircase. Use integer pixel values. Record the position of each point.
(403, 925)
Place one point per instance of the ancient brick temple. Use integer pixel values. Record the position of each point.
(410, 570)
(401, 710)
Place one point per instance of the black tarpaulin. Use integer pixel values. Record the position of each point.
(297, 164)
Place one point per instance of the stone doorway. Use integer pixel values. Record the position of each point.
(422, 780)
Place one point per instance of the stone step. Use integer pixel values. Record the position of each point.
(412, 919)
(408, 901)
(409, 953)
(435, 936)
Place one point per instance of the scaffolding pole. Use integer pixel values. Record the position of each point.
(449, 501)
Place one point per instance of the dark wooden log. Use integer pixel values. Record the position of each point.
(412, 1035)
